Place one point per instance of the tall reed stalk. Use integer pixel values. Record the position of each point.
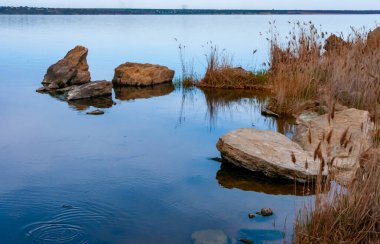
(345, 215)
(315, 66)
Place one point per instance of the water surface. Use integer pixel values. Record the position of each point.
(147, 171)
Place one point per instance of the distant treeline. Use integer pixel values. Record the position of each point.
(119, 11)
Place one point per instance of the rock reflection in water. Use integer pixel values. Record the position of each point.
(230, 176)
(83, 104)
(99, 102)
(126, 93)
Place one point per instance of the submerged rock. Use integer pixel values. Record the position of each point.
(137, 74)
(251, 215)
(71, 70)
(90, 90)
(209, 237)
(268, 152)
(246, 241)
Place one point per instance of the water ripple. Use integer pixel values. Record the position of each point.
(73, 224)
(51, 232)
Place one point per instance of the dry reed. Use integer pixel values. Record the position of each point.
(220, 73)
(345, 215)
(311, 66)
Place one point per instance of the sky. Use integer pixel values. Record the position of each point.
(210, 4)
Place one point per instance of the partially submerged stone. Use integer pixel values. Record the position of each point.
(71, 70)
(137, 74)
(265, 212)
(90, 90)
(270, 153)
(96, 112)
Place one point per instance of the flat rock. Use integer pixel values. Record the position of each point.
(90, 90)
(331, 144)
(71, 70)
(137, 74)
(268, 152)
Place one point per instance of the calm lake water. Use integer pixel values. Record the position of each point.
(147, 171)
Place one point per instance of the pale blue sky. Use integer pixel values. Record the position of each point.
(214, 4)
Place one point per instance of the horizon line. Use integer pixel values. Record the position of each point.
(202, 9)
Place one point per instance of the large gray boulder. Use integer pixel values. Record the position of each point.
(136, 74)
(268, 152)
(71, 70)
(322, 145)
(90, 90)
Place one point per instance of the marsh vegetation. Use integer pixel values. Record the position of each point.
(313, 68)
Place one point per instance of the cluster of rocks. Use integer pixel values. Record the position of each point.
(322, 145)
(70, 78)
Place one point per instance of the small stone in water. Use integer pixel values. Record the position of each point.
(266, 212)
(251, 215)
(96, 112)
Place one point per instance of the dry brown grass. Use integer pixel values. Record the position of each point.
(312, 66)
(345, 215)
(220, 73)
